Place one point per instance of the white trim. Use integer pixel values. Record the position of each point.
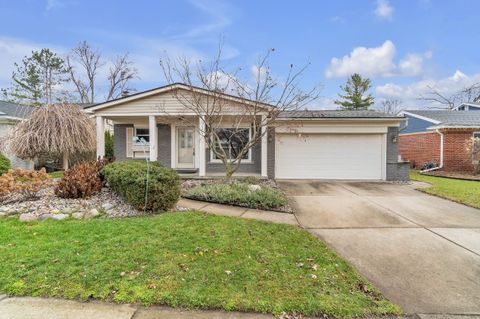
(468, 104)
(153, 136)
(100, 130)
(173, 152)
(438, 127)
(171, 88)
(420, 117)
(263, 158)
(384, 156)
(201, 148)
(248, 160)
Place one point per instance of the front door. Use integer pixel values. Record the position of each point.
(185, 148)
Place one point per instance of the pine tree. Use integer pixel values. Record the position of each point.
(38, 79)
(354, 91)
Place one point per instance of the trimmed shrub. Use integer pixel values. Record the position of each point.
(81, 181)
(5, 164)
(129, 180)
(239, 194)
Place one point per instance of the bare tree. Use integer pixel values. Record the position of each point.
(120, 73)
(440, 100)
(390, 106)
(235, 114)
(85, 63)
(90, 61)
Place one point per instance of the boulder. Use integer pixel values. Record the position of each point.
(254, 188)
(59, 216)
(27, 217)
(78, 215)
(107, 206)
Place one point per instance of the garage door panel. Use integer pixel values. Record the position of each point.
(329, 156)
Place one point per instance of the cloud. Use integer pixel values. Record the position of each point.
(218, 13)
(376, 61)
(383, 10)
(411, 93)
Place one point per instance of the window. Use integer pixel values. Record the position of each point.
(142, 136)
(232, 141)
(476, 147)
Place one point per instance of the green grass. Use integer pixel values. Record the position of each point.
(239, 194)
(462, 191)
(191, 260)
(56, 174)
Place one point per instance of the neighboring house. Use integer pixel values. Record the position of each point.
(349, 145)
(443, 137)
(11, 114)
(468, 106)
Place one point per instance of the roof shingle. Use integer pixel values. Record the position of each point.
(450, 118)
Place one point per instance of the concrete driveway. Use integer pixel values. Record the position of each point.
(421, 251)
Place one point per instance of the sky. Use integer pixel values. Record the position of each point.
(405, 47)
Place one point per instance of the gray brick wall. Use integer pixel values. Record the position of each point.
(271, 153)
(255, 167)
(165, 144)
(119, 141)
(396, 171)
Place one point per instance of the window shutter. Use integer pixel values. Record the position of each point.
(129, 142)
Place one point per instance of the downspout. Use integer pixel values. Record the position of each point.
(441, 155)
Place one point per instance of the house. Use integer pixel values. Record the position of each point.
(443, 137)
(11, 114)
(468, 106)
(349, 145)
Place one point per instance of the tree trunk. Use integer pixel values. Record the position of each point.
(65, 161)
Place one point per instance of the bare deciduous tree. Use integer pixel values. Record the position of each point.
(90, 61)
(441, 100)
(85, 64)
(235, 114)
(390, 106)
(120, 73)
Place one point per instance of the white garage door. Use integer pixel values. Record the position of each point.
(329, 156)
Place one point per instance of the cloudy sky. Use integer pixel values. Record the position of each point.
(404, 46)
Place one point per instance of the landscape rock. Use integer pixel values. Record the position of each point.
(45, 216)
(55, 211)
(107, 206)
(27, 217)
(94, 212)
(254, 188)
(78, 215)
(59, 216)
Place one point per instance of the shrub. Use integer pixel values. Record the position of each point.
(81, 181)
(239, 194)
(108, 145)
(26, 182)
(4, 164)
(129, 180)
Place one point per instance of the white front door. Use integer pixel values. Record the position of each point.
(185, 147)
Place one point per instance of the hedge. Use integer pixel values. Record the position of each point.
(129, 180)
(5, 164)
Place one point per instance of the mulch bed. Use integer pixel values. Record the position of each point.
(455, 175)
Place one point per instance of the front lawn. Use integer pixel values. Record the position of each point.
(191, 260)
(240, 194)
(462, 191)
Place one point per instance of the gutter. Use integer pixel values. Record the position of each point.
(441, 155)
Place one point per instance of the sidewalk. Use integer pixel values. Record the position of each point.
(235, 211)
(46, 308)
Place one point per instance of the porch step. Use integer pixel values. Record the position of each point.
(187, 170)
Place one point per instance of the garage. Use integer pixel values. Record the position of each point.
(330, 156)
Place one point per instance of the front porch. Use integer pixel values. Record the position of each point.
(176, 142)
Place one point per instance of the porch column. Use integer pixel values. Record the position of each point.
(100, 121)
(153, 131)
(264, 148)
(201, 145)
